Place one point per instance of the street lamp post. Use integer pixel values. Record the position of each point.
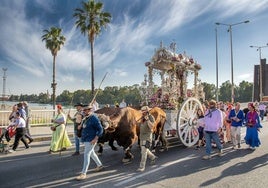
(231, 44)
(217, 70)
(259, 49)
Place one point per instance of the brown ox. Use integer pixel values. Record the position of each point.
(124, 128)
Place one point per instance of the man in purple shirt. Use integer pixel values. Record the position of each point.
(213, 123)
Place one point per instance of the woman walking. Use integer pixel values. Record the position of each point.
(60, 140)
(253, 126)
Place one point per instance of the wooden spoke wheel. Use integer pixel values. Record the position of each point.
(187, 129)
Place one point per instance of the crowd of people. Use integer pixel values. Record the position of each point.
(221, 124)
(218, 124)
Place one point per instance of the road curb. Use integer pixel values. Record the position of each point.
(46, 138)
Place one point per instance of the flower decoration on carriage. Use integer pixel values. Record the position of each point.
(197, 66)
(180, 56)
(173, 68)
(147, 63)
(191, 61)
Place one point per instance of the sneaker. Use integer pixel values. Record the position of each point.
(239, 145)
(206, 157)
(99, 168)
(197, 147)
(220, 153)
(234, 147)
(11, 151)
(140, 169)
(81, 177)
(27, 147)
(76, 153)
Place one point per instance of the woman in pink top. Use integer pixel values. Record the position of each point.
(227, 124)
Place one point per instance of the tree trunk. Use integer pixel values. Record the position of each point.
(53, 85)
(92, 68)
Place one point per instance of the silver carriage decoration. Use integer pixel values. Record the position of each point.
(180, 103)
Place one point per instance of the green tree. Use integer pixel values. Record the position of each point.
(209, 90)
(91, 19)
(54, 40)
(43, 98)
(245, 91)
(66, 98)
(225, 91)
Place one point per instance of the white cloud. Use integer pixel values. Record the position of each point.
(247, 76)
(126, 43)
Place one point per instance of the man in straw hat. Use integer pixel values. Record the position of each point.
(91, 131)
(77, 119)
(213, 123)
(146, 126)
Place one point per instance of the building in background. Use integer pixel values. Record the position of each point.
(256, 82)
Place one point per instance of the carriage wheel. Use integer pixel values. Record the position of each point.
(187, 122)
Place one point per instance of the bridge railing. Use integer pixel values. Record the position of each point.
(37, 117)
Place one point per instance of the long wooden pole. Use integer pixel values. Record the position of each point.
(98, 89)
(65, 126)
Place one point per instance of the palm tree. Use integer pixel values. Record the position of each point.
(54, 40)
(91, 19)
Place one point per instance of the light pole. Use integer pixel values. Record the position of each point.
(259, 49)
(231, 43)
(217, 75)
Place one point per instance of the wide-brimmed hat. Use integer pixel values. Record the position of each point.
(145, 108)
(88, 107)
(212, 102)
(79, 104)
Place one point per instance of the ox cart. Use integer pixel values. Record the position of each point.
(179, 102)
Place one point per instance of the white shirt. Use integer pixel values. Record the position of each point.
(123, 104)
(20, 122)
(95, 106)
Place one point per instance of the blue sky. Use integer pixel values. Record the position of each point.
(136, 30)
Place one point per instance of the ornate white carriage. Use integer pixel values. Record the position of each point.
(180, 103)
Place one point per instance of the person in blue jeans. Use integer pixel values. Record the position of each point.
(77, 119)
(91, 131)
(213, 122)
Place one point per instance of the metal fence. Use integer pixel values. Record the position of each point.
(37, 117)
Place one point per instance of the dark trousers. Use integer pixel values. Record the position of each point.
(20, 135)
(4, 134)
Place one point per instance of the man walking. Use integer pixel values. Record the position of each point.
(237, 117)
(91, 131)
(77, 119)
(213, 122)
(146, 127)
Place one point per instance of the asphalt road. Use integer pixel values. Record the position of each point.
(177, 167)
